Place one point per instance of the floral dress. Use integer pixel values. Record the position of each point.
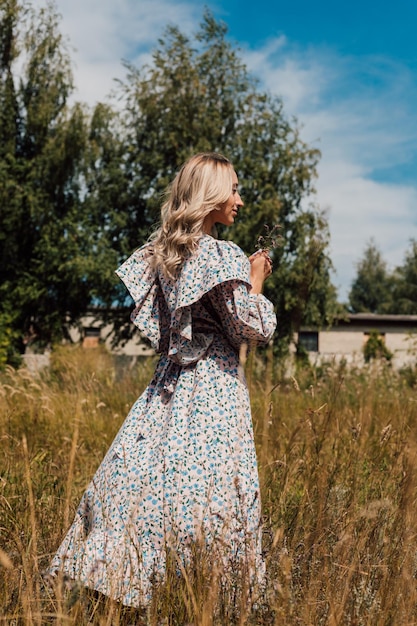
(183, 465)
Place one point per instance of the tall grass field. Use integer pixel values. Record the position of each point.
(337, 452)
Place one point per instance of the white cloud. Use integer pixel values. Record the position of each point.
(361, 209)
(358, 112)
(102, 33)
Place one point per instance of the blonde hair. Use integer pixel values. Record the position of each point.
(203, 183)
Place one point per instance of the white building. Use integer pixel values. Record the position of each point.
(345, 339)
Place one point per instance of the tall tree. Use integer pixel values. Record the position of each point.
(10, 191)
(46, 259)
(405, 286)
(372, 289)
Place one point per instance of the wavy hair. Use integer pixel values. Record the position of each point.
(203, 183)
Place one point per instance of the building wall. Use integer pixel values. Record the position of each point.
(347, 343)
(334, 341)
(134, 347)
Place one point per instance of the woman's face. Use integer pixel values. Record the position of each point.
(228, 211)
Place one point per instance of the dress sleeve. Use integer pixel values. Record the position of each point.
(244, 317)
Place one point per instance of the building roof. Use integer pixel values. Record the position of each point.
(372, 320)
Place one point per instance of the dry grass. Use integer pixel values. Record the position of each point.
(337, 454)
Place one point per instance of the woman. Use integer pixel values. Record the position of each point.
(182, 468)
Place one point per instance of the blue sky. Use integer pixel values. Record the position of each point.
(346, 71)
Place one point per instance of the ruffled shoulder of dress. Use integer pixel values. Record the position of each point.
(140, 278)
(137, 273)
(214, 263)
(163, 306)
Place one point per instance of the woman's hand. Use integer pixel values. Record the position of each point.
(261, 268)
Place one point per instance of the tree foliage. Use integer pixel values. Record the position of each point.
(55, 259)
(375, 348)
(405, 283)
(378, 290)
(371, 291)
(44, 279)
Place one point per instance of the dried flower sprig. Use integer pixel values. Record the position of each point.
(271, 239)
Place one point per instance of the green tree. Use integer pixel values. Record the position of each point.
(375, 348)
(372, 289)
(109, 206)
(195, 96)
(47, 260)
(405, 287)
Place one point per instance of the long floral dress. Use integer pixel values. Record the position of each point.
(183, 464)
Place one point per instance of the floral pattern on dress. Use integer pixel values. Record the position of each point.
(183, 464)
